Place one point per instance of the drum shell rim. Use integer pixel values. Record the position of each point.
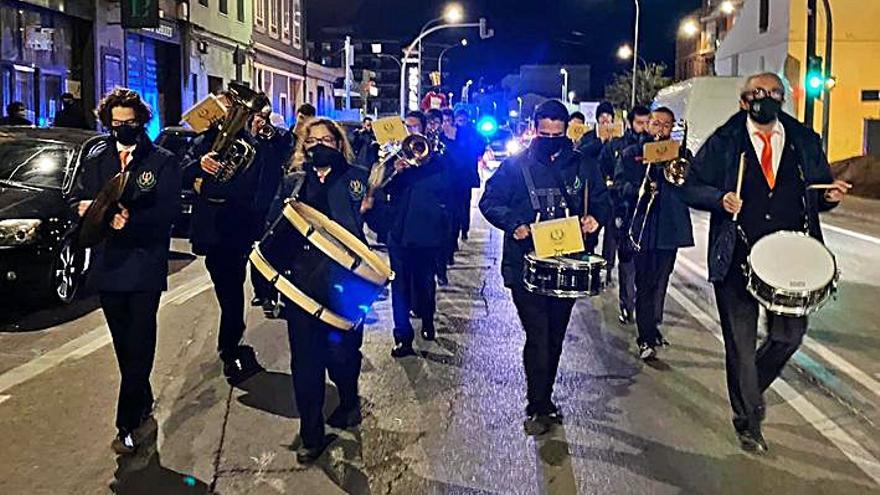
(754, 283)
(531, 262)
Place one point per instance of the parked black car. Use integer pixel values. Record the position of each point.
(177, 141)
(38, 258)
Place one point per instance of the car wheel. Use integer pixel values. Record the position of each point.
(67, 271)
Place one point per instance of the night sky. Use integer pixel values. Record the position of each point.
(526, 32)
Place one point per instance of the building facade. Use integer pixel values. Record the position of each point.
(279, 54)
(771, 36)
(219, 46)
(695, 53)
(40, 56)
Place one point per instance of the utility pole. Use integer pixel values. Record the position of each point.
(810, 96)
(829, 81)
(349, 62)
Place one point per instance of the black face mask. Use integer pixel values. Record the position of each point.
(546, 147)
(764, 110)
(321, 155)
(126, 135)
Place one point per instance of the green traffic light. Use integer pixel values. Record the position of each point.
(816, 82)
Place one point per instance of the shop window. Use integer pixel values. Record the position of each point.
(260, 15)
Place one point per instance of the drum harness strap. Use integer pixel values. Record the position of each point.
(551, 194)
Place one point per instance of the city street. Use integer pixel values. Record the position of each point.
(450, 419)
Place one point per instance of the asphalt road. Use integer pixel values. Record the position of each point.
(450, 419)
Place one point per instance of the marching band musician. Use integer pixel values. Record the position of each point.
(591, 143)
(416, 239)
(226, 220)
(322, 177)
(667, 228)
(780, 154)
(130, 269)
(615, 238)
(561, 173)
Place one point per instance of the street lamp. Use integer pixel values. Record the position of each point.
(625, 53)
(689, 28)
(727, 7)
(571, 96)
(463, 42)
(564, 73)
(635, 51)
(453, 13)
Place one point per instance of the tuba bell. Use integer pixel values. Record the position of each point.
(235, 154)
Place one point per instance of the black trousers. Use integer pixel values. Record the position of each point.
(545, 320)
(609, 246)
(262, 288)
(228, 270)
(465, 198)
(413, 287)
(749, 371)
(626, 287)
(317, 349)
(653, 268)
(131, 317)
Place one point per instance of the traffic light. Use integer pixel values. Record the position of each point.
(815, 82)
(140, 14)
(485, 31)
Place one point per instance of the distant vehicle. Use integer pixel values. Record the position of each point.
(38, 168)
(177, 140)
(501, 145)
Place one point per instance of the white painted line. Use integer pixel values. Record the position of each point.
(79, 347)
(857, 454)
(857, 235)
(4, 398)
(833, 359)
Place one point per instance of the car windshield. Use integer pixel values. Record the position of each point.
(33, 162)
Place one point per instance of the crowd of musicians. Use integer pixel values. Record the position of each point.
(422, 214)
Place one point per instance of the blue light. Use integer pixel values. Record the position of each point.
(487, 126)
(364, 308)
(339, 288)
(189, 481)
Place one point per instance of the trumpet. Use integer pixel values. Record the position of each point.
(675, 172)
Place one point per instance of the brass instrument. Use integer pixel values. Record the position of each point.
(267, 132)
(235, 154)
(675, 172)
(414, 150)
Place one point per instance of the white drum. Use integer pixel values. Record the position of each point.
(791, 273)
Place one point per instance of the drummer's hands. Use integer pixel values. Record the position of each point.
(838, 191)
(732, 203)
(119, 220)
(82, 207)
(209, 164)
(522, 232)
(400, 165)
(367, 204)
(589, 224)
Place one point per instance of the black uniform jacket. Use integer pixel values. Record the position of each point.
(134, 258)
(714, 173)
(506, 204)
(420, 201)
(233, 215)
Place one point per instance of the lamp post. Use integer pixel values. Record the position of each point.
(564, 73)
(635, 51)
(463, 42)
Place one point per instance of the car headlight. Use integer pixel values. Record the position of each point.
(18, 232)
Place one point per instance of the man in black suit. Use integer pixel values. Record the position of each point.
(783, 157)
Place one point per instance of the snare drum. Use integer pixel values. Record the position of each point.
(571, 276)
(791, 273)
(321, 267)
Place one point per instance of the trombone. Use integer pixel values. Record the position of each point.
(675, 172)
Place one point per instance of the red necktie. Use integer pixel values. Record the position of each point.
(123, 158)
(767, 159)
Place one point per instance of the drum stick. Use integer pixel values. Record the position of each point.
(739, 180)
(824, 186)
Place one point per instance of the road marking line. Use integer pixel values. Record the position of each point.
(4, 398)
(834, 359)
(79, 347)
(857, 454)
(857, 235)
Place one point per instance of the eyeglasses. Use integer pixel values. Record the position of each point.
(662, 125)
(758, 93)
(128, 123)
(328, 140)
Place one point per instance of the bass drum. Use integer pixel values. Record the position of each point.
(319, 266)
(571, 276)
(791, 273)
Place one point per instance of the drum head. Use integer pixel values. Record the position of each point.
(792, 261)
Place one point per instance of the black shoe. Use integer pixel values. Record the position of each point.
(537, 424)
(647, 352)
(308, 455)
(555, 415)
(269, 309)
(442, 281)
(662, 342)
(124, 443)
(402, 350)
(257, 301)
(344, 418)
(464, 236)
(241, 366)
(428, 333)
(751, 440)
